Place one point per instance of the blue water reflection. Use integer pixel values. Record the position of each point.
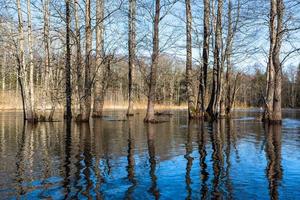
(108, 159)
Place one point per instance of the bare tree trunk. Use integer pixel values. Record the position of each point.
(155, 54)
(85, 103)
(21, 60)
(79, 71)
(212, 109)
(68, 65)
(131, 52)
(31, 115)
(98, 86)
(45, 83)
(277, 116)
(229, 99)
(228, 52)
(270, 72)
(205, 59)
(189, 82)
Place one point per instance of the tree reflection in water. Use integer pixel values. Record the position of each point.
(203, 166)
(131, 163)
(67, 162)
(20, 168)
(86, 179)
(229, 132)
(217, 159)
(274, 170)
(108, 159)
(189, 158)
(152, 160)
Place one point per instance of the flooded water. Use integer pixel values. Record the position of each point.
(113, 159)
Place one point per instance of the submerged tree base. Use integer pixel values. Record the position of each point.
(129, 114)
(80, 118)
(97, 115)
(267, 119)
(154, 121)
(167, 113)
(272, 122)
(43, 118)
(151, 120)
(31, 120)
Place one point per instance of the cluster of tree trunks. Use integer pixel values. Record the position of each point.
(214, 104)
(91, 79)
(95, 76)
(222, 91)
(25, 73)
(272, 112)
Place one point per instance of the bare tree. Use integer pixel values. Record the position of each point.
(202, 93)
(277, 115)
(270, 68)
(68, 64)
(189, 82)
(26, 84)
(31, 66)
(131, 52)
(213, 106)
(78, 60)
(21, 59)
(85, 101)
(99, 69)
(47, 83)
(229, 87)
(274, 73)
(154, 58)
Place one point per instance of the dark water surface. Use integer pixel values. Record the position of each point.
(109, 159)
